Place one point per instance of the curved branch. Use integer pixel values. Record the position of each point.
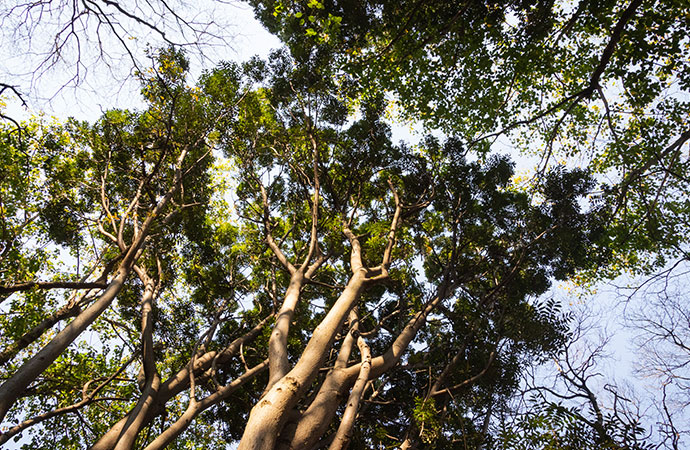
(395, 223)
(196, 408)
(468, 381)
(267, 229)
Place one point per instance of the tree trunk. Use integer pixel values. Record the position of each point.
(344, 433)
(277, 344)
(318, 416)
(17, 383)
(270, 414)
(137, 418)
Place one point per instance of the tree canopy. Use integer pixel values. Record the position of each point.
(253, 260)
(603, 83)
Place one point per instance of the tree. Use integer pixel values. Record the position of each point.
(601, 83)
(659, 317)
(100, 193)
(579, 406)
(231, 244)
(340, 237)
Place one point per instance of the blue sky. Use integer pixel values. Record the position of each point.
(104, 88)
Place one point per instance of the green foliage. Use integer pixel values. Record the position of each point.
(424, 414)
(602, 83)
(250, 155)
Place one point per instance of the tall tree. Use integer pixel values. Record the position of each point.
(604, 84)
(339, 238)
(104, 194)
(232, 244)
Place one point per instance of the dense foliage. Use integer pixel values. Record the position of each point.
(599, 84)
(199, 273)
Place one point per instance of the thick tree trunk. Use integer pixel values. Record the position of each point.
(137, 419)
(318, 416)
(270, 414)
(109, 440)
(316, 419)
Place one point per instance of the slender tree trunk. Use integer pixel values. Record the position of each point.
(344, 433)
(195, 408)
(175, 385)
(87, 399)
(17, 383)
(277, 344)
(137, 418)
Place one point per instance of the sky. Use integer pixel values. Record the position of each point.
(104, 86)
(85, 89)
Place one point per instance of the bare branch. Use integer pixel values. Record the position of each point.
(27, 286)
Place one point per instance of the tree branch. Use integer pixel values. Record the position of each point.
(28, 285)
